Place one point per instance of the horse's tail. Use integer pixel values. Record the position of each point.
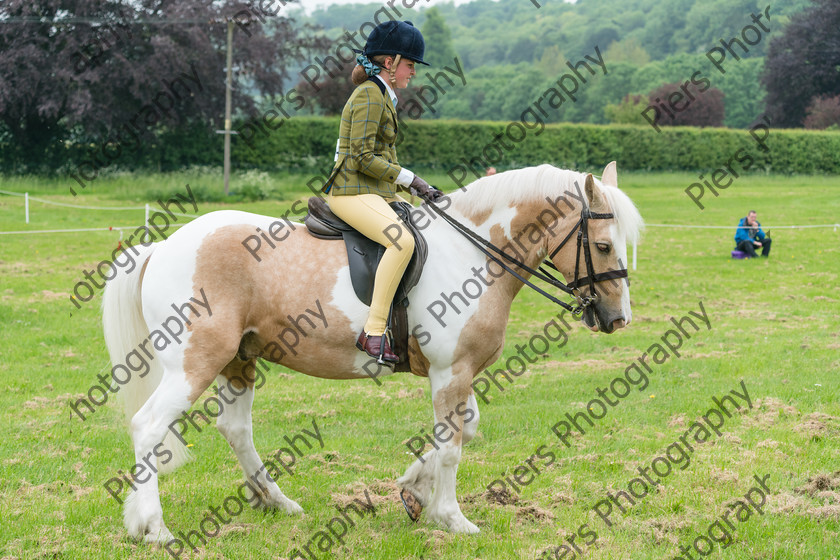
(125, 330)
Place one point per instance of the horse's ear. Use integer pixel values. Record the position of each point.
(610, 175)
(593, 193)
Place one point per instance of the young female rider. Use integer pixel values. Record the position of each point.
(366, 172)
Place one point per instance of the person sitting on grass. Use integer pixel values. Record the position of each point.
(749, 235)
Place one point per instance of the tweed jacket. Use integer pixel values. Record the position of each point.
(367, 158)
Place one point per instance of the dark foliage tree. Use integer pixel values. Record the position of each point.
(81, 69)
(707, 108)
(803, 63)
(602, 37)
(329, 94)
(823, 112)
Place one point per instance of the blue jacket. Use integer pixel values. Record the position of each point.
(743, 233)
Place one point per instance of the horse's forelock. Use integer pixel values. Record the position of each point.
(627, 217)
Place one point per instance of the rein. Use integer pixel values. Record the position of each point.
(542, 274)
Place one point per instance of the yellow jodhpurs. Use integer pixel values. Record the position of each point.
(371, 216)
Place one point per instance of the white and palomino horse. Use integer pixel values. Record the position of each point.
(529, 211)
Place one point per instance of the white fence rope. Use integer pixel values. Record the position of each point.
(27, 198)
(71, 205)
(835, 226)
(115, 228)
(694, 226)
(146, 208)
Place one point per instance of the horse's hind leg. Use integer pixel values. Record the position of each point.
(236, 392)
(186, 375)
(143, 515)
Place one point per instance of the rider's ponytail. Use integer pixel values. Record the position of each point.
(359, 74)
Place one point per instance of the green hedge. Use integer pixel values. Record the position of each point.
(445, 144)
(309, 143)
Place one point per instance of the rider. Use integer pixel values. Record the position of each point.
(366, 173)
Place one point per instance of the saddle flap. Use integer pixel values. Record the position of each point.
(414, 270)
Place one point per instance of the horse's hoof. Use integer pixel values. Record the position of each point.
(292, 508)
(465, 526)
(161, 536)
(412, 506)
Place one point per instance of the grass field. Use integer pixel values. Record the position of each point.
(774, 326)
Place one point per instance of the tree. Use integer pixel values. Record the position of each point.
(663, 25)
(552, 62)
(629, 111)
(439, 50)
(627, 50)
(522, 50)
(85, 69)
(674, 68)
(743, 91)
(706, 109)
(600, 91)
(803, 63)
(707, 22)
(602, 37)
(329, 94)
(823, 112)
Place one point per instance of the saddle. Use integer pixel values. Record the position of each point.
(364, 255)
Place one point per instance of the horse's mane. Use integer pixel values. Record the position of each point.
(535, 183)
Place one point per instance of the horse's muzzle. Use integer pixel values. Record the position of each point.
(604, 321)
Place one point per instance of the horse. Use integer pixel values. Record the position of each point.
(235, 305)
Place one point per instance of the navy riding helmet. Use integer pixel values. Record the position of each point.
(396, 37)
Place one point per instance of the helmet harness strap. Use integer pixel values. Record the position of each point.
(394, 68)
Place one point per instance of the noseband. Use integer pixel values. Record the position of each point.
(582, 227)
(572, 288)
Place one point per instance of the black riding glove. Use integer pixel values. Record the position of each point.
(421, 188)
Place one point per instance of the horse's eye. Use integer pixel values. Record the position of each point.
(603, 247)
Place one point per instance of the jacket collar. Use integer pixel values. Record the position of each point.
(387, 92)
(389, 89)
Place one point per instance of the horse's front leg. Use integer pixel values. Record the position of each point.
(456, 421)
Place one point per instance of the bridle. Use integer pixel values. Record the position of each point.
(572, 288)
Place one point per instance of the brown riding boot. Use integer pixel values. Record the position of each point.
(372, 345)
